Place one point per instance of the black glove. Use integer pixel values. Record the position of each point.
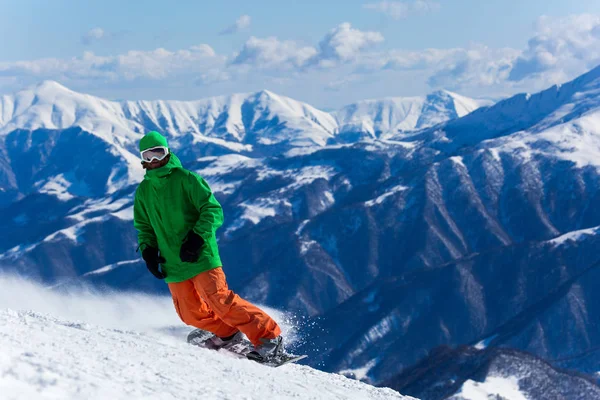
(191, 247)
(153, 259)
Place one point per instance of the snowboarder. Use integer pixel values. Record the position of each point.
(176, 216)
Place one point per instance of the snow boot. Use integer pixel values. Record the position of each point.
(270, 350)
(199, 337)
(216, 343)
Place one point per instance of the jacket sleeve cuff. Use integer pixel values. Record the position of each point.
(142, 247)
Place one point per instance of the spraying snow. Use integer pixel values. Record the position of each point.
(133, 346)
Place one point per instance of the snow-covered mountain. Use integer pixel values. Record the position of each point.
(390, 116)
(237, 122)
(256, 124)
(263, 117)
(563, 116)
(478, 229)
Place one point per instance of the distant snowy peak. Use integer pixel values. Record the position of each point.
(256, 118)
(261, 118)
(239, 122)
(442, 106)
(50, 105)
(391, 115)
(377, 117)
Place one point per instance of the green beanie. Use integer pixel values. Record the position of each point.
(152, 139)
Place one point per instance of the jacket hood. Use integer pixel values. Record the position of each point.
(152, 139)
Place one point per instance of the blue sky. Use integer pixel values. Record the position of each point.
(327, 53)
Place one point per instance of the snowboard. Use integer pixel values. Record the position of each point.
(281, 360)
(197, 337)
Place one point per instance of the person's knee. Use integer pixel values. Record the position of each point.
(188, 319)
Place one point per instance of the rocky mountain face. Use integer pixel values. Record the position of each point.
(467, 373)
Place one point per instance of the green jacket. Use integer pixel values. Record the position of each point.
(168, 203)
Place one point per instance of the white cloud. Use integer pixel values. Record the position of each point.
(155, 64)
(343, 44)
(340, 45)
(212, 76)
(427, 58)
(203, 49)
(346, 61)
(478, 66)
(93, 35)
(562, 47)
(273, 53)
(241, 23)
(403, 9)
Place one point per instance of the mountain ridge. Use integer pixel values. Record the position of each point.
(50, 105)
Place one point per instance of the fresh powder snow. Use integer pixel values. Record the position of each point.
(119, 346)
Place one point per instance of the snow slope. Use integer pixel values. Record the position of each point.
(44, 357)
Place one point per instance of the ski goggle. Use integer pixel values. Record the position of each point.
(155, 153)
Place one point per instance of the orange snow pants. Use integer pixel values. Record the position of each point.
(206, 302)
